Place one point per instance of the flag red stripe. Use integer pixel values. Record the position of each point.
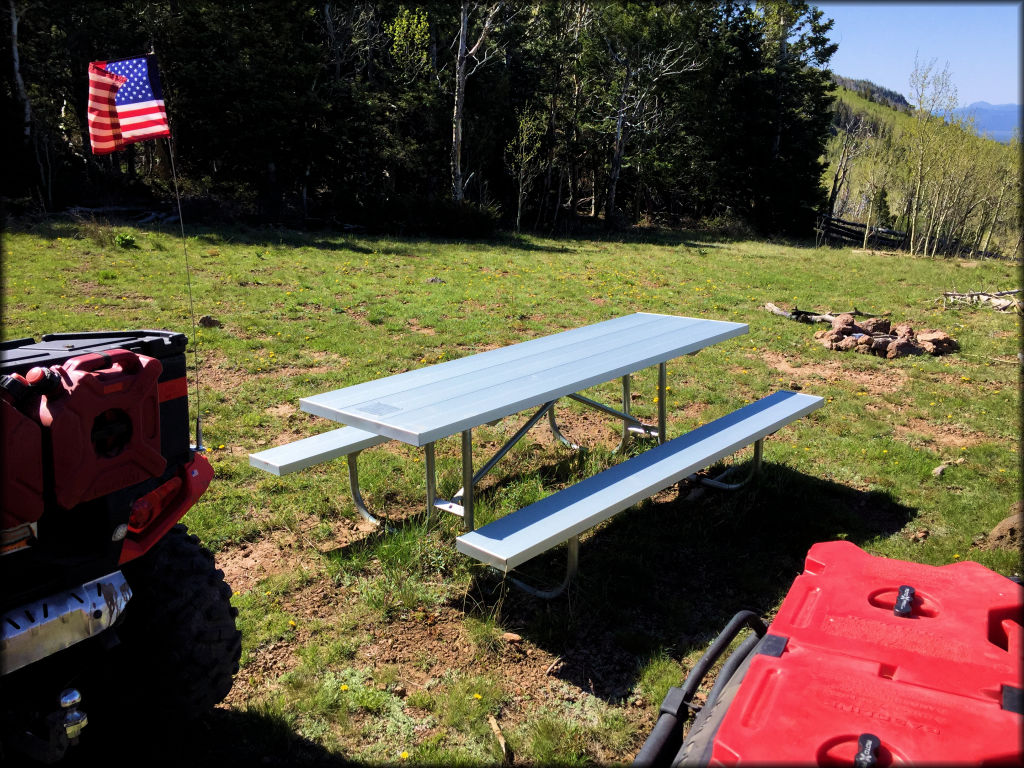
(104, 127)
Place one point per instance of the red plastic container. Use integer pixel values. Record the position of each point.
(939, 684)
(963, 633)
(809, 707)
(104, 423)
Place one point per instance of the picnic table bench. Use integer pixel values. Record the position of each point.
(424, 405)
(519, 536)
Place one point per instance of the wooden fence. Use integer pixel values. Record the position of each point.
(832, 230)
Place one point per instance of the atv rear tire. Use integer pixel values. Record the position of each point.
(179, 646)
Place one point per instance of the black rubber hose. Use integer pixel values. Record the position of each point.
(664, 741)
(741, 619)
(666, 737)
(725, 674)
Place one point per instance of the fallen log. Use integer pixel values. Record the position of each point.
(803, 316)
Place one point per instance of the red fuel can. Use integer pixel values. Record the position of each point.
(103, 421)
(872, 661)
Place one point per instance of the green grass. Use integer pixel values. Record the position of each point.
(302, 313)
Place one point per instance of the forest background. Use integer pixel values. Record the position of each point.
(455, 119)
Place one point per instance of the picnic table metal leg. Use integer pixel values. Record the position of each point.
(662, 389)
(467, 480)
(558, 433)
(630, 425)
(519, 435)
(428, 460)
(626, 398)
(353, 482)
(572, 564)
(716, 482)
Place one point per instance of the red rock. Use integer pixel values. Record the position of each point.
(842, 322)
(875, 325)
(846, 324)
(902, 347)
(903, 331)
(880, 346)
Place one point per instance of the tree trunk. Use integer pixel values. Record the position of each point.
(19, 82)
(916, 200)
(460, 98)
(995, 218)
(30, 140)
(867, 224)
(617, 149)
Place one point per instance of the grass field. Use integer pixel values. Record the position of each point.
(388, 646)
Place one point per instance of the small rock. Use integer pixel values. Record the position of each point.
(903, 331)
(399, 691)
(902, 347)
(937, 472)
(846, 344)
(209, 322)
(920, 535)
(846, 324)
(937, 342)
(875, 325)
(511, 637)
(880, 345)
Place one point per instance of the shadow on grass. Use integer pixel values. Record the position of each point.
(666, 577)
(219, 738)
(328, 239)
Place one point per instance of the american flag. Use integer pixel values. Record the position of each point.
(125, 104)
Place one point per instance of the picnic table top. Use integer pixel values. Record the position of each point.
(426, 404)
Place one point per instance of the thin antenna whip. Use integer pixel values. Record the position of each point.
(191, 307)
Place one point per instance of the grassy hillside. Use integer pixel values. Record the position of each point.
(388, 646)
(937, 179)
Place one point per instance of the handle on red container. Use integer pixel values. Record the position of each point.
(867, 751)
(904, 602)
(98, 361)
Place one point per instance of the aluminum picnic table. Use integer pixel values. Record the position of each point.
(422, 406)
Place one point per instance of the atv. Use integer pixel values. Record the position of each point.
(108, 605)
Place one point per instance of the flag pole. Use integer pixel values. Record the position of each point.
(191, 306)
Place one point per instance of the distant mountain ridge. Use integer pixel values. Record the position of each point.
(997, 121)
(873, 92)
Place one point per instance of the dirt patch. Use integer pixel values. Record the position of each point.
(883, 380)
(414, 325)
(945, 435)
(284, 410)
(1007, 534)
(249, 562)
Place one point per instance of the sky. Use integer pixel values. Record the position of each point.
(980, 41)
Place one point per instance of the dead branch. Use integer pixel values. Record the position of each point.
(803, 316)
(995, 298)
(506, 754)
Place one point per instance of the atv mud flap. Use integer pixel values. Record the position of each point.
(37, 630)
